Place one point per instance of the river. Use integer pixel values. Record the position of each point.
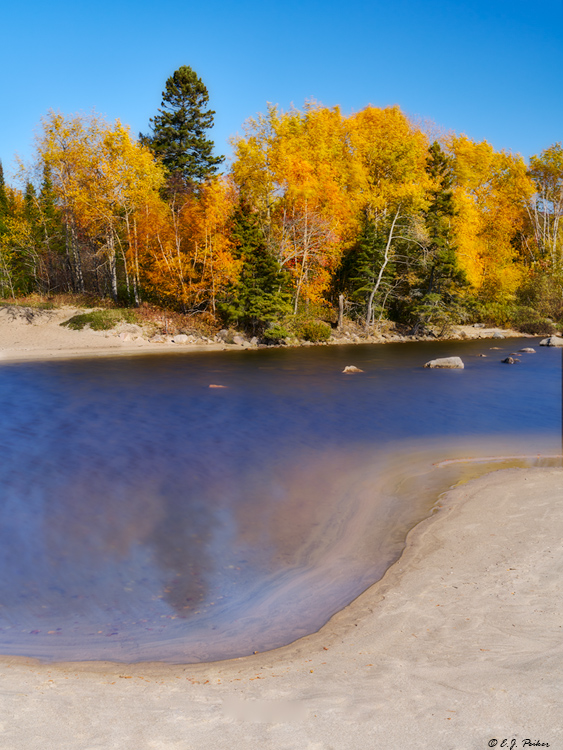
(145, 515)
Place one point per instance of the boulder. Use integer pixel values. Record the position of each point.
(351, 368)
(131, 328)
(181, 338)
(498, 335)
(510, 361)
(552, 341)
(447, 363)
(527, 350)
(225, 336)
(240, 340)
(158, 339)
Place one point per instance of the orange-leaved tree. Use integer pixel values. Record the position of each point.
(185, 247)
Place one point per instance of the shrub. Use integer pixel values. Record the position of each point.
(314, 330)
(275, 334)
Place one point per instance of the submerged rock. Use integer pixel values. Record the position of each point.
(351, 368)
(510, 361)
(527, 350)
(447, 363)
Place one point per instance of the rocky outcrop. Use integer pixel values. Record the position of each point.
(446, 363)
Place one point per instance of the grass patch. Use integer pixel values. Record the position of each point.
(100, 320)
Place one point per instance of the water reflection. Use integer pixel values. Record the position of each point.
(146, 516)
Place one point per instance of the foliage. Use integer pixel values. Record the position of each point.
(489, 198)
(529, 320)
(179, 129)
(319, 212)
(313, 330)
(275, 334)
(260, 295)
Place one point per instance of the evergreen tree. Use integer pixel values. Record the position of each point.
(4, 206)
(362, 265)
(261, 295)
(442, 268)
(179, 129)
(431, 288)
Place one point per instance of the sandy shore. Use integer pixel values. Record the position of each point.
(460, 644)
(38, 335)
(31, 334)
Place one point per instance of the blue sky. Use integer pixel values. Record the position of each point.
(492, 70)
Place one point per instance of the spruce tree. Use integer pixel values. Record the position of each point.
(442, 268)
(179, 129)
(432, 299)
(261, 295)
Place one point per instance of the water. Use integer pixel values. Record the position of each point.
(147, 516)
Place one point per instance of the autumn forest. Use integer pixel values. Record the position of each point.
(320, 216)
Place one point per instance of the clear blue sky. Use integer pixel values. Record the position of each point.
(492, 69)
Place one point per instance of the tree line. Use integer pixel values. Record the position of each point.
(319, 215)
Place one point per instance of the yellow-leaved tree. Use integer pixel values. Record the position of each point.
(389, 157)
(294, 168)
(490, 196)
(103, 180)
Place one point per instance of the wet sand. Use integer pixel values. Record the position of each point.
(459, 644)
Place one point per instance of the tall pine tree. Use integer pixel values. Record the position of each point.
(179, 129)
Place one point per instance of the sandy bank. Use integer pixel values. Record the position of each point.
(459, 644)
(31, 334)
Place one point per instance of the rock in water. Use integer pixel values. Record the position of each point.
(351, 368)
(510, 361)
(552, 341)
(527, 350)
(448, 363)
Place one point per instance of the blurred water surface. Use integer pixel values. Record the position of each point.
(147, 516)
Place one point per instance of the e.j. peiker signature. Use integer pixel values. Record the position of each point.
(511, 744)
